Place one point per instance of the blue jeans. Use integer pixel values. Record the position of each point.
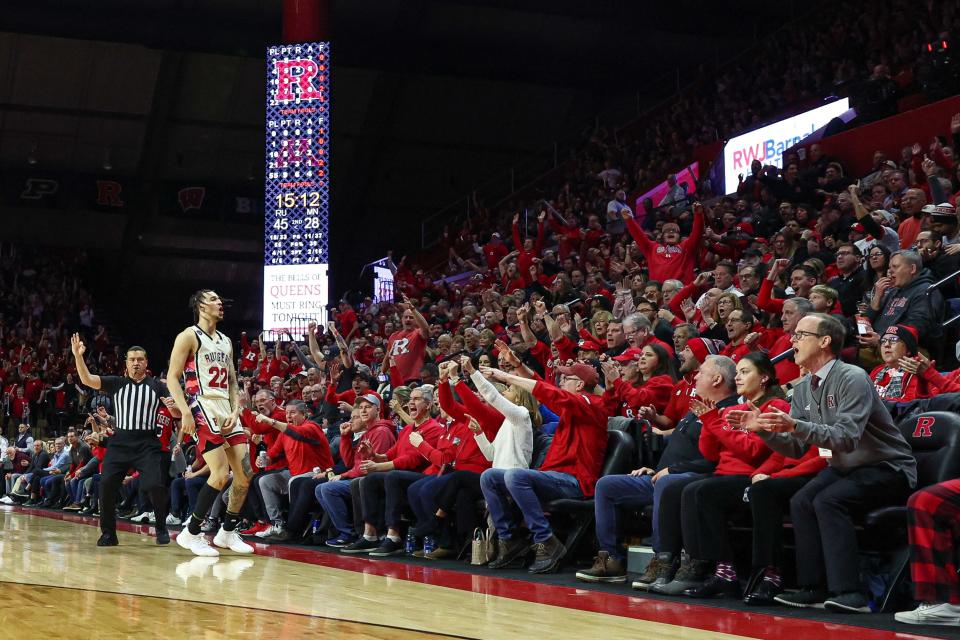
(528, 488)
(627, 492)
(334, 497)
(75, 489)
(422, 496)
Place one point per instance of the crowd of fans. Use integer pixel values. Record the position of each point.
(493, 382)
(43, 301)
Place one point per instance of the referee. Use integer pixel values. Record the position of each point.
(136, 400)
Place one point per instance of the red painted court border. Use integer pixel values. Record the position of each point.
(716, 619)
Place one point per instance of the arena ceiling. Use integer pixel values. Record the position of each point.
(429, 97)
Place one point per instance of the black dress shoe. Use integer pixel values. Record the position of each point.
(163, 536)
(763, 594)
(715, 587)
(108, 540)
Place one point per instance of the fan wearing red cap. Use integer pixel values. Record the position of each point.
(646, 380)
(588, 350)
(570, 469)
(905, 373)
(691, 357)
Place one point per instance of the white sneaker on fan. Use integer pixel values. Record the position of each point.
(231, 540)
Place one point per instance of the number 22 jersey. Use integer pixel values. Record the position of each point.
(207, 373)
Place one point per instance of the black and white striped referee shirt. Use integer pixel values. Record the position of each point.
(135, 404)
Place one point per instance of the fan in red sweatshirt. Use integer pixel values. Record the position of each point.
(378, 438)
(268, 406)
(736, 452)
(580, 441)
(302, 442)
(249, 354)
(905, 374)
(672, 260)
(403, 454)
(625, 395)
(527, 250)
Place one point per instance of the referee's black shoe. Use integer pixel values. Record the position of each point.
(163, 536)
(110, 540)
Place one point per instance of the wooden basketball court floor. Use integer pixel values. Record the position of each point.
(56, 581)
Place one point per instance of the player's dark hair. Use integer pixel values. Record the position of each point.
(137, 348)
(195, 301)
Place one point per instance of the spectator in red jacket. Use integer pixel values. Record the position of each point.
(906, 374)
(249, 355)
(527, 249)
(305, 447)
(347, 319)
(456, 452)
(570, 469)
(388, 475)
(673, 259)
(494, 251)
(643, 380)
(361, 438)
(406, 348)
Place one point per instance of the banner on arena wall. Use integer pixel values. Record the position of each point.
(297, 187)
(767, 144)
(688, 176)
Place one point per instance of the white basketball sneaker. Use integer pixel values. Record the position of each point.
(942, 614)
(196, 543)
(231, 540)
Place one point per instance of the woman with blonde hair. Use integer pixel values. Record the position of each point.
(715, 318)
(502, 425)
(598, 324)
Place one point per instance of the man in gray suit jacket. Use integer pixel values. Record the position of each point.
(870, 465)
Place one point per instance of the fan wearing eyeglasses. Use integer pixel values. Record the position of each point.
(902, 298)
(850, 283)
(905, 373)
(837, 409)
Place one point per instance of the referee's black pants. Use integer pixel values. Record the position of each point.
(141, 451)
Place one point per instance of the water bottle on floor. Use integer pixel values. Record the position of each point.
(410, 545)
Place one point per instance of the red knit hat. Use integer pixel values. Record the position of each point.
(703, 347)
(908, 335)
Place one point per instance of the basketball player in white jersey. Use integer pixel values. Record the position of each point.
(203, 357)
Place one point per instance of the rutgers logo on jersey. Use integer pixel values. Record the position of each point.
(207, 373)
(924, 428)
(400, 347)
(670, 251)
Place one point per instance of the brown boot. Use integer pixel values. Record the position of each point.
(651, 572)
(605, 569)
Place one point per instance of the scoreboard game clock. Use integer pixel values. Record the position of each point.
(297, 193)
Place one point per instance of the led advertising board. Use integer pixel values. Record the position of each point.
(768, 143)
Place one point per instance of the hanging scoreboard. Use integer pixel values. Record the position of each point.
(297, 193)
